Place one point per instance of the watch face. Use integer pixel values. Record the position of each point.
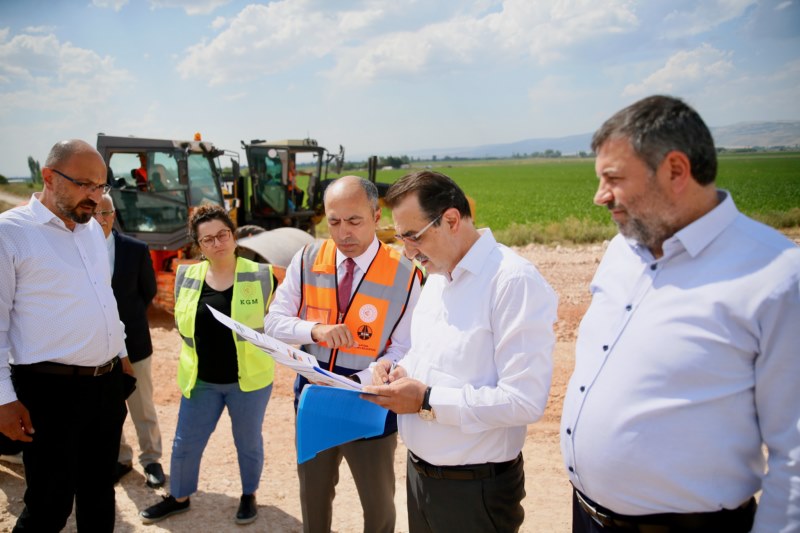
(426, 414)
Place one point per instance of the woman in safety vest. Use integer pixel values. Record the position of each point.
(216, 369)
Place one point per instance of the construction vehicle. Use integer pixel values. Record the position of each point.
(285, 183)
(156, 183)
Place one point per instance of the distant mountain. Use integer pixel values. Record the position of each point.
(740, 135)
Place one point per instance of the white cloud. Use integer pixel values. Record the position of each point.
(699, 17)
(371, 40)
(685, 70)
(219, 23)
(191, 7)
(116, 5)
(40, 73)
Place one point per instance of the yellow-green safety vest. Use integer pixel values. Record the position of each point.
(252, 292)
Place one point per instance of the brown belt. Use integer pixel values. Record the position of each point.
(461, 472)
(47, 367)
(724, 520)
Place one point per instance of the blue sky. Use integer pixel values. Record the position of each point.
(380, 76)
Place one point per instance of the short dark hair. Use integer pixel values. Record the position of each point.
(659, 124)
(207, 213)
(435, 193)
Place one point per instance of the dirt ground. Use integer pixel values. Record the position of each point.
(547, 505)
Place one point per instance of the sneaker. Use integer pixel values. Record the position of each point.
(167, 507)
(120, 470)
(154, 475)
(248, 510)
(13, 458)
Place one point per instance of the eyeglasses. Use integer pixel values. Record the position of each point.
(223, 236)
(414, 239)
(104, 214)
(83, 186)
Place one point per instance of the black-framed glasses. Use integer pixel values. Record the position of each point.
(223, 236)
(414, 239)
(83, 186)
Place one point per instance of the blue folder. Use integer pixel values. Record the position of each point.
(330, 416)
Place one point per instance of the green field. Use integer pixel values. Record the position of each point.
(551, 200)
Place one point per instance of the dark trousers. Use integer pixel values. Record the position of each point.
(479, 505)
(77, 422)
(730, 521)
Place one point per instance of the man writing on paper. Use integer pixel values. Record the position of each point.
(348, 301)
(479, 367)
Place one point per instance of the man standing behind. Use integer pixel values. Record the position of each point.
(348, 300)
(687, 359)
(60, 333)
(479, 367)
(134, 283)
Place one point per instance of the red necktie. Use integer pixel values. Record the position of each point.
(346, 285)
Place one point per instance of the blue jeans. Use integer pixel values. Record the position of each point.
(197, 418)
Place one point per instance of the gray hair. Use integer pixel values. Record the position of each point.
(657, 125)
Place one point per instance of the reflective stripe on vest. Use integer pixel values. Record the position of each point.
(252, 292)
(376, 307)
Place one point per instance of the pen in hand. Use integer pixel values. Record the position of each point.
(394, 365)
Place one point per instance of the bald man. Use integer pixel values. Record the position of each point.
(348, 301)
(62, 348)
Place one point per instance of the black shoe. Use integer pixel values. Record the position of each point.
(154, 475)
(165, 508)
(248, 510)
(120, 470)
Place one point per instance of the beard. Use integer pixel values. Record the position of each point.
(73, 214)
(651, 222)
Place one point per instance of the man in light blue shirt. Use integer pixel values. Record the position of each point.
(687, 359)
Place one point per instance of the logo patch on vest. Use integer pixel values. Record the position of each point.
(364, 332)
(368, 313)
(248, 291)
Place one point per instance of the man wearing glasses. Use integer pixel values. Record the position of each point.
(62, 350)
(134, 284)
(348, 301)
(479, 367)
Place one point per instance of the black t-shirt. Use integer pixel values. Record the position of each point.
(216, 349)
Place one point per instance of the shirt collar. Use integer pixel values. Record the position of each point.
(362, 261)
(699, 234)
(477, 255)
(695, 237)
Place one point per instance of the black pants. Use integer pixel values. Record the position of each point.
(480, 505)
(77, 422)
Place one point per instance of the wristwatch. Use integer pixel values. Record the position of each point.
(426, 411)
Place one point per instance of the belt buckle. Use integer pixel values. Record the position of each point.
(601, 518)
(100, 370)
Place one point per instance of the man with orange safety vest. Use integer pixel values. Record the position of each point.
(348, 300)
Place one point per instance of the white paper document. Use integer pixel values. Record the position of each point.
(301, 362)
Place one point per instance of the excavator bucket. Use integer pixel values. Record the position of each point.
(276, 247)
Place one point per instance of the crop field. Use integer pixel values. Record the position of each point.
(547, 200)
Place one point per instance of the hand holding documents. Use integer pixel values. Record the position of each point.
(326, 416)
(301, 362)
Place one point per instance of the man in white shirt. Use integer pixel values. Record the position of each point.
(479, 367)
(348, 301)
(62, 349)
(687, 359)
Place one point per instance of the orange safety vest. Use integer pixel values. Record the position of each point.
(375, 308)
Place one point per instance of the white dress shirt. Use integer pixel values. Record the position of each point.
(56, 302)
(283, 323)
(684, 366)
(483, 339)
